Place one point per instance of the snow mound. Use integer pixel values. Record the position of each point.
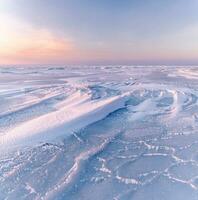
(76, 112)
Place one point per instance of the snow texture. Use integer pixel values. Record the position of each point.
(108, 132)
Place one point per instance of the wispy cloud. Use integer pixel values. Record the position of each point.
(22, 43)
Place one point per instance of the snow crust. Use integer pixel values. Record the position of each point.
(99, 132)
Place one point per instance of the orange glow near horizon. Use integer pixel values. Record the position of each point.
(20, 43)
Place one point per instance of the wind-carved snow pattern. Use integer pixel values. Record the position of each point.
(83, 133)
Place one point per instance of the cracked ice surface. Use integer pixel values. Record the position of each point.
(84, 133)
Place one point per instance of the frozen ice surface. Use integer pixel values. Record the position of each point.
(111, 132)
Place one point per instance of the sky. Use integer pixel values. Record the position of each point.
(99, 32)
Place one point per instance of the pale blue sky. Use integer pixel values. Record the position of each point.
(101, 31)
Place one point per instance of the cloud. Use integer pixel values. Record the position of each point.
(22, 43)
